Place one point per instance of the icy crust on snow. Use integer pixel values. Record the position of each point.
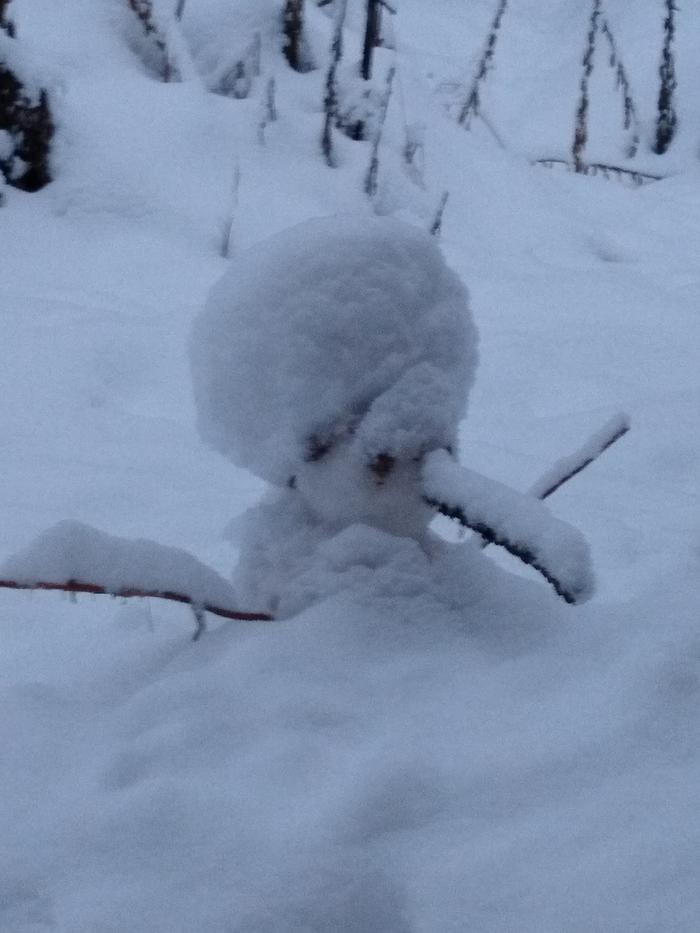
(337, 327)
(519, 519)
(73, 551)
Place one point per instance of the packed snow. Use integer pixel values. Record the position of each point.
(427, 741)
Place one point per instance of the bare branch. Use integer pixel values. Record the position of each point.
(75, 586)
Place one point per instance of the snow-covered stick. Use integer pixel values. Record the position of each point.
(371, 178)
(568, 467)
(74, 558)
(128, 592)
(516, 522)
(330, 99)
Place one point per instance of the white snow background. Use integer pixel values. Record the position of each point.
(419, 745)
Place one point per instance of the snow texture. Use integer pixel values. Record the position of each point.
(72, 551)
(521, 523)
(340, 329)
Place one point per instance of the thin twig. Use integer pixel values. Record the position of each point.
(76, 586)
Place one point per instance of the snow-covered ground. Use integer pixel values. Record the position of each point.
(420, 745)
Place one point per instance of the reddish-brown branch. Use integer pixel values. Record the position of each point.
(74, 586)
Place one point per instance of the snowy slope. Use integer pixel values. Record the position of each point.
(421, 745)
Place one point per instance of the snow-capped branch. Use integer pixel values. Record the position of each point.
(514, 521)
(75, 558)
(568, 467)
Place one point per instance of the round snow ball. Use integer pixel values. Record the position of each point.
(337, 327)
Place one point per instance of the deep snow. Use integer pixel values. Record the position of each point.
(427, 742)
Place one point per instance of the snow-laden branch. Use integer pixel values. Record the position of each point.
(515, 521)
(75, 558)
(568, 467)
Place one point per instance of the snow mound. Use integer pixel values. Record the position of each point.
(72, 551)
(337, 327)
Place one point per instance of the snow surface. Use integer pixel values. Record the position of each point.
(427, 742)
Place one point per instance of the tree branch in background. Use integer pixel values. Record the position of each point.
(666, 121)
(330, 100)
(436, 225)
(372, 175)
(630, 118)
(146, 15)
(471, 105)
(581, 124)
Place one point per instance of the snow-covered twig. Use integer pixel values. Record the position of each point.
(516, 522)
(128, 592)
(602, 168)
(373, 169)
(471, 105)
(75, 558)
(568, 467)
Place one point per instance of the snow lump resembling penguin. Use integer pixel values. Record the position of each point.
(334, 360)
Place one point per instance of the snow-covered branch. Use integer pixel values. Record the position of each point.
(514, 521)
(75, 558)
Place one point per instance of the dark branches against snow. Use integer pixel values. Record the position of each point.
(74, 587)
(666, 120)
(571, 466)
(373, 34)
(472, 104)
(330, 100)
(294, 48)
(630, 117)
(581, 124)
(153, 31)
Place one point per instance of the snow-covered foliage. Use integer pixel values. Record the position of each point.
(348, 330)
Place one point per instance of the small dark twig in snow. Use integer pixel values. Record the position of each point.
(568, 467)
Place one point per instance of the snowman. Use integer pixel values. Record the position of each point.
(334, 361)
